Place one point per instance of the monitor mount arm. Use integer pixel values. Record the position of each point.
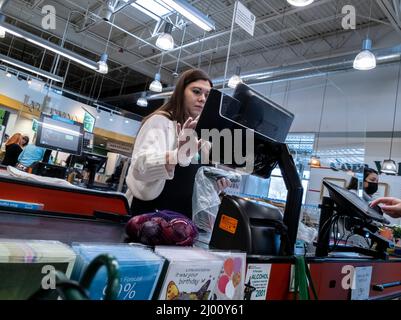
(294, 197)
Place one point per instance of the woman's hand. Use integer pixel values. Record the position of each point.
(188, 143)
(223, 184)
(390, 206)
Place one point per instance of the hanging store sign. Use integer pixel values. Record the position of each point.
(245, 18)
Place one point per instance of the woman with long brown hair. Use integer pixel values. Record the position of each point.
(162, 171)
(13, 150)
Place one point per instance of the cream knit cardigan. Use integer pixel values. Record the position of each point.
(147, 173)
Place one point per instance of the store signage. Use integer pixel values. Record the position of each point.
(63, 114)
(35, 107)
(31, 105)
(245, 18)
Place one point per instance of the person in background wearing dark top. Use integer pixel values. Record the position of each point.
(162, 174)
(370, 183)
(13, 150)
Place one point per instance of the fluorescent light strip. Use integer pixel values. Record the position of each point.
(27, 67)
(152, 8)
(145, 11)
(191, 14)
(49, 46)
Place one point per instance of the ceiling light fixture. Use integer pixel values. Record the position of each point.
(365, 60)
(142, 101)
(191, 13)
(29, 81)
(314, 161)
(235, 78)
(389, 166)
(156, 85)
(27, 67)
(165, 41)
(48, 45)
(103, 68)
(300, 3)
(2, 30)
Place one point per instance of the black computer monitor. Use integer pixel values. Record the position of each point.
(93, 163)
(223, 112)
(257, 112)
(351, 205)
(246, 109)
(60, 134)
(87, 161)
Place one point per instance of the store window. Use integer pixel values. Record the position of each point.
(301, 148)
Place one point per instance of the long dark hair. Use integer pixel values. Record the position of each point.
(353, 184)
(174, 108)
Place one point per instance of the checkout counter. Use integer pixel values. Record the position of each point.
(34, 207)
(45, 206)
(76, 214)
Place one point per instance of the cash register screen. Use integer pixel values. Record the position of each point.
(256, 112)
(60, 134)
(352, 204)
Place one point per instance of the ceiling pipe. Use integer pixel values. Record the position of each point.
(303, 70)
(315, 68)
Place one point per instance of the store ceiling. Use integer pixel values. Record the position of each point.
(283, 35)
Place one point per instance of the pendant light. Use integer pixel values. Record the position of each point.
(366, 60)
(175, 73)
(142, 101)
(389, 166)
(2, 30)
(165, 41)
(300, 3)
(103, 68)
(235, 79)
(156, 85)
(314, 161)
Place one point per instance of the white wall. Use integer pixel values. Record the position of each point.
(355, 101)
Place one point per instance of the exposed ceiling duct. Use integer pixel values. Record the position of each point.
(315, 68)
(303, 70)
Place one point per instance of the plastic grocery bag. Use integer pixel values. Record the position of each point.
(205, 199)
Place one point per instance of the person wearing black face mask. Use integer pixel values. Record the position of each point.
(370, 183)
(370, 186)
